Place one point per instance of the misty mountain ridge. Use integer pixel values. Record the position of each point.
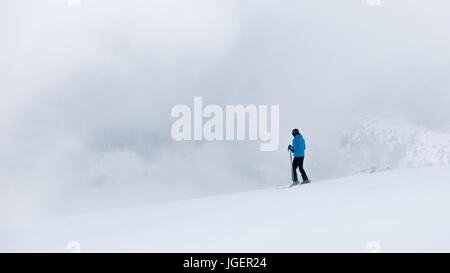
(374, 144)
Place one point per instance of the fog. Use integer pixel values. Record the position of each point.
(87, 92)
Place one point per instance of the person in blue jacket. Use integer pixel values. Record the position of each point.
(298, 147)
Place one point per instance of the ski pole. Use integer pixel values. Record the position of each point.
(292, 170)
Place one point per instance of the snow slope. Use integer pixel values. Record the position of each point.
(406, 210)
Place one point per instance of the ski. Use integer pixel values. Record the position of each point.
(293, 185)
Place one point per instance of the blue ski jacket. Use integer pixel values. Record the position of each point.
(298, 146)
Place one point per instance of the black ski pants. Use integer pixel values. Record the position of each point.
(298, 163)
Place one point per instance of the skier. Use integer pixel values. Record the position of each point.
(298, 147)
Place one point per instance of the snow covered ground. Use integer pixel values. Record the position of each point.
(402, 210)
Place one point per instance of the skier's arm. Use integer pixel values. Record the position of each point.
(294, 145)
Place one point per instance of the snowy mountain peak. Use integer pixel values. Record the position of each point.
(374, 144)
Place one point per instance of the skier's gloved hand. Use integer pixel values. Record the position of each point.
(289, 148)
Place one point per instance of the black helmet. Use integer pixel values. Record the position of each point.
(295, 132)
